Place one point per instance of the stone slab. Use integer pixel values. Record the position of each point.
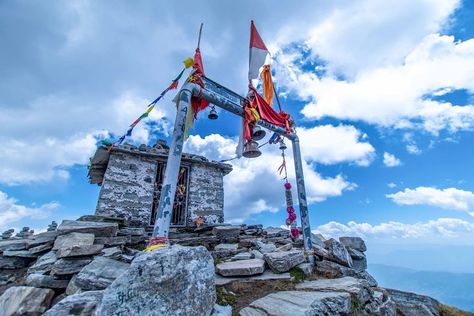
(241, 267)
(267, 275)
(77, 251)
(45, 281)
(100, 273)
(73, 239)
(68, 266)
(78, 304)
(25, 300)
(283, 261)
(99, 229)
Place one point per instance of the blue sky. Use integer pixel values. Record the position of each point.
(382, 92)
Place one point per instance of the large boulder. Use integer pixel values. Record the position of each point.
(283, 261)
(411, 304)
(241, 267)
(41, 239)
(99, 229)
(338, 253)
(171, 281)
(44, 264)
(299, 303)
(329, 269)
(356, 243)
(265, 247)
(78, 251)
(357, 288)
(13, 244)
(25, 300)
(100, 273)
(73, 240)
(82, 304)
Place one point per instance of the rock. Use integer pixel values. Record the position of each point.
(13, 263)
(320, 252)
(307, 268)
(318, 240)
(265, 247)
(103, 219)
(226, 232)
(99, 229)
(247, 242)
(172, 281)
(283, 261)
(42, 238)
(256, 254)
(67, 266)
(356, 243)
(226, 247)
(359, 264)
(220, 310)
(355, 254)
(286, 247)
(276, 232)
(331, 270)
(19, 254)
(112, 253)
(300, 303)
(338, 253)
(357, 288)
(241, 267)
(25, 300)
(46, 281)
(41, 248)
(410, 304)
(12, 244)
(100, 273)
(44, 263)
(252, 231)
(77, 251)
(242, 256)
(114, 241)
(267, 275)
(72, 288)
(82, 304)
(73, 239)
(132, 231)
(58, 299)
(134, 240)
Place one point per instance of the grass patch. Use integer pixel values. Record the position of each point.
(356, 305)
(297, 274)
(446, 310)
(224, 297)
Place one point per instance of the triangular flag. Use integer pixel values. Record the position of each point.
(258, 52)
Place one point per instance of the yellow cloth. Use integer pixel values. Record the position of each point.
(188, 62)
(154, 247)
(267, 84)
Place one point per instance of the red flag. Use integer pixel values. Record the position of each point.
(258, 52)
(197, 103)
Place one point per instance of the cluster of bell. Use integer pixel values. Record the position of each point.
(212, 113)
(251, 147)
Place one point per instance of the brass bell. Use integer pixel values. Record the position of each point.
(282, 145)
(257, 133)
(251, 150)
(213, 114)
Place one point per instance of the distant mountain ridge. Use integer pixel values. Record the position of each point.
(456, 289)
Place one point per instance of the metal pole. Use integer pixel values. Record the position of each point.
(168, 191)
(301, 194)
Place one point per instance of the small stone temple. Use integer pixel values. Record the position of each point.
(131, 178)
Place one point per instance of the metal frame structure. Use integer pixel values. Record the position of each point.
(232, 102)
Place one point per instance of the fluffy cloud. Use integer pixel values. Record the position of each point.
(330, 144)
(450, 198)
(254, 185)
(11, 211)
(432, 230)
(390, 160)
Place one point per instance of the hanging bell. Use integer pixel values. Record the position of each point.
(257, 133)
(251, 150)
(282, 145)
(213, 114)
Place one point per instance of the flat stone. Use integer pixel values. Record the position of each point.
(41, 248)
(411, 304)
(19, 254)
(100, 273)
(226, 232)
(132, 231)
(44, 264)
(242, 256)
(241, 267)
(265, 247)
(103, 219)
(112, 252)
(77, 251)
(67, 266)
(13, 263)
(317, 239)
(299, 303)
(113, 241)
(45, 281)
(276, 232)
(331, 270)
(356, 254)
(267, 275)
(13, 244)
(256, 254)
(356, 243)
(357, 288)
(25, 300)
(247, 242)
(170, 281)
(283, 261)
(73, 239)
(77, 304)
(99, 229)
(226, 247)
(338, 253)
(320, 252)
(41, 238)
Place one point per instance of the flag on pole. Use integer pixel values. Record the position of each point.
(258, 52)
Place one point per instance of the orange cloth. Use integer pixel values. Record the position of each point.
(267, 84)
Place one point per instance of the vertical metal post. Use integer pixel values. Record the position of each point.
(301, 194)
(168, 191)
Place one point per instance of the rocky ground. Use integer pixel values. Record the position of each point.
(95, 266)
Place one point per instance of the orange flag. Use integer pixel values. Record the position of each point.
(267, 83)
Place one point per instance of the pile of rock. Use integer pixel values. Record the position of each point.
(78, 256)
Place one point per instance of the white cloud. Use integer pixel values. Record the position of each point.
(11, 211)
(254, 185)
(438, 230)
(392, 185)
(390, 160)
(413, 149)
(330, 144)
(449, 198)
